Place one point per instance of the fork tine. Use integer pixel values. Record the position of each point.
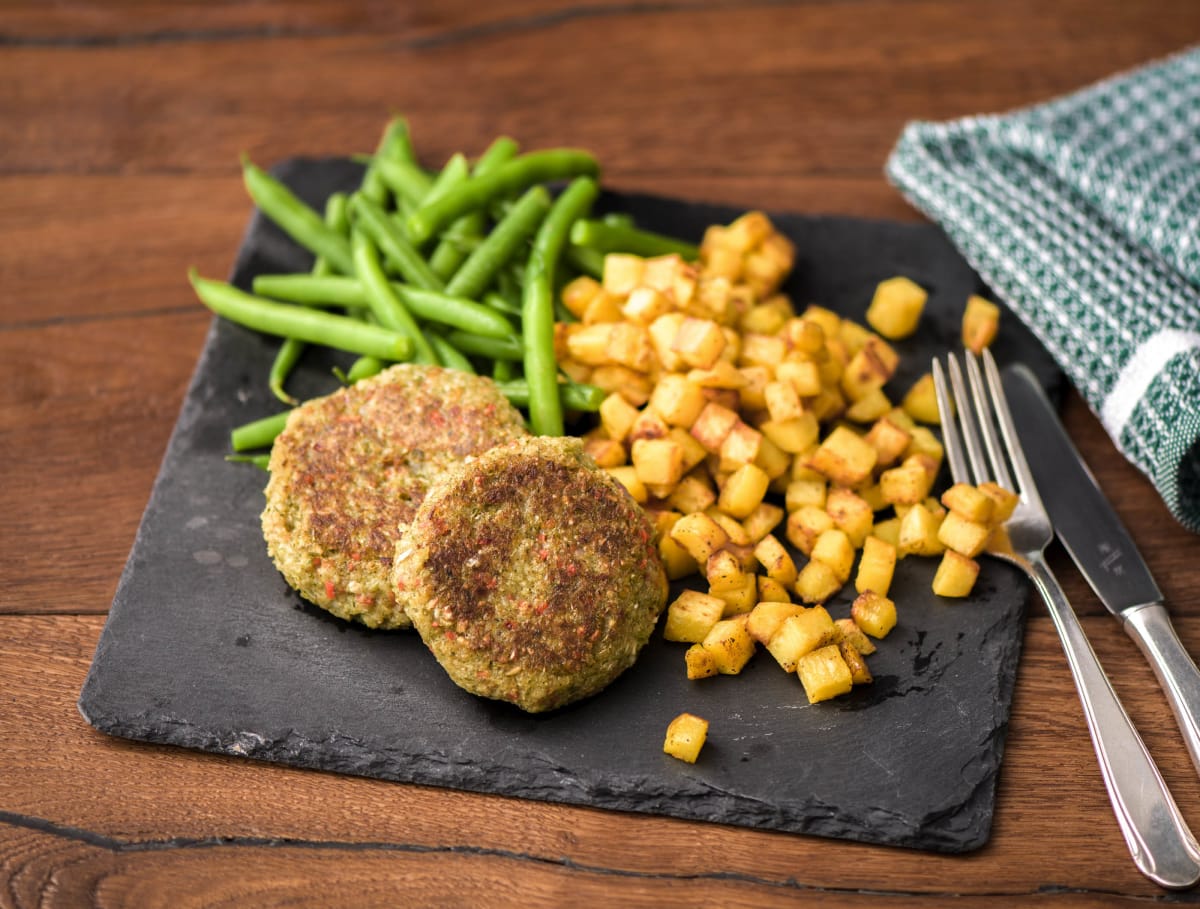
(966, 416)
(987, 424)
(950, 437)
(1025, 485)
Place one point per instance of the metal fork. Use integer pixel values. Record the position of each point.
(1159, 840)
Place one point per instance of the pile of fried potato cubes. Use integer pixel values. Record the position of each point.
(720, 394)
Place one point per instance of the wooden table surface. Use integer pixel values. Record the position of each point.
(120, 129)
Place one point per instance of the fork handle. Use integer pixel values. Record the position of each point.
(1158, 838)
(1150, 626)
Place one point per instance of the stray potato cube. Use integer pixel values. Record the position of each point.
(844, 457)
(775, 560)
(817, 582)
(799, 634)
(876, 567)
(920, 401)
(955, 576)
(730, 645)
(686, 735)
(964, 536)
(896, 308)
(700, 663)
(873, 613)
(699, 534)
(859, 673)
(969, 501)
(771, 590)
(851, 634)
(834, 548)
(767, 616)
(657, 461)
(981, 321)
(692, 616)
(824, 674)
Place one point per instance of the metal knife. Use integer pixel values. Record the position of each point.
(1089, 528)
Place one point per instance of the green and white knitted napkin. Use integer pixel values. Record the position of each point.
(1083, 216)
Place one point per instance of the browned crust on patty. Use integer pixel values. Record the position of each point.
(350, 470)
(532, 575)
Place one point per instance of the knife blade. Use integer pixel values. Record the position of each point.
(1102, 548)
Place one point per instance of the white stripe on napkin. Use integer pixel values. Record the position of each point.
(1139, 371)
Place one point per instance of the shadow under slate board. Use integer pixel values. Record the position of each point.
(207, 648)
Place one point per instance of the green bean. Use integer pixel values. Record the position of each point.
(261, 461)
(296, 219)
(501, 244)
(537, 305)
(392, 243)
(465, 234)
(494, 348)
(258, 433)
(385, 303)
(394, 143)
(314, 326)
(513, 176)
(457, 312)
(405, 179)
(587, 261)
(574, 396)
(364, 368)
(503, 370)
(605, 238)
(450, 355)
(501, 303)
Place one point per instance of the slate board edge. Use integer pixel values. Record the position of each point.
(702, 803)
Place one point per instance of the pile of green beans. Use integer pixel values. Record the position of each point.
(460, 268)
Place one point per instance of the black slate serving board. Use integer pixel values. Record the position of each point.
(206, 647)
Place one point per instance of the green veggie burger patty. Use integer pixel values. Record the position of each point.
(531, 574)
(350, 469)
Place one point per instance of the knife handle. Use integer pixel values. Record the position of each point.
(1150, 626)
(1158, 837)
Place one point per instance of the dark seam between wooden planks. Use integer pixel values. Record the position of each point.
(114, 316)
(118, 846)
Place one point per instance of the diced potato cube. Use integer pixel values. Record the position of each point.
(1004, 501)
(647, 425)
(750, 395)
(631, 385)
(876, 567)
(799, 634)
(969, 501)
(699, 342)
(782, 401)
(981, 321)
(762, 350)
(774, 461)
(873, 496)
(692, 616)
(824, 674)
(699, 534)
(629, 345)
(896, 307)
(873, 613)
(645, 304)
(732, 526)
(853, 335)
(828, 405)
(817, 582)
(871, 406)
(851, 513)
(804, 376)
(767, 616)
(692, 493)
(775, 560)
(955, 575)
(622, 273)
(662, 335)
(771, 591)
(869, 369)
(844, 457)
(740, 599)
(714, 423)
(887, 530)
(700, 663)
(617, 416)
(855, 662)
(677, 400)
(686, 735)
(578, 293)
(795, 435)
(920, 401)
(740, 447)
(627, 477)
(730, 645)
(854, 636)
(603, 307)
(762, 520)
(919, 533)
(834, 548)
(589, 343)
(889, 440)
(693, 451)
(657, 461)
(829, 320)
(905, 485)
(805, 524)
(677, 561)
(606, 452)
(924, 442)
(743, 491)
(722, 375)
(964, 536)
(723, 571)
(804, 336)
(806, 492)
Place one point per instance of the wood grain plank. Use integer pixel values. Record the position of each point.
(1049, 789)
